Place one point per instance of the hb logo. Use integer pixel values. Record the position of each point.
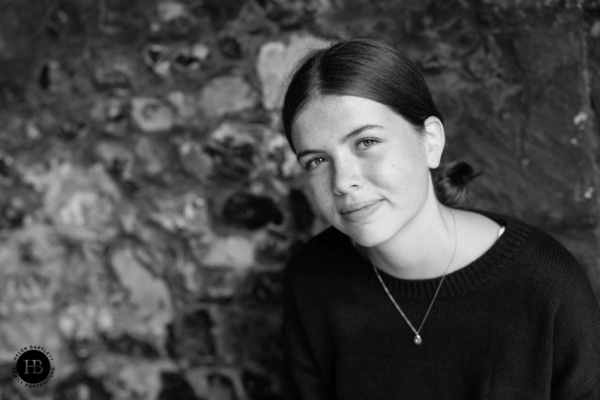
(33, 366)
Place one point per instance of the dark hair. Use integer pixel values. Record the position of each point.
(374, 70)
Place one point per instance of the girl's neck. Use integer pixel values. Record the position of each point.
(422, 249)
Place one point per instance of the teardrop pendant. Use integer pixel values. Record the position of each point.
(418, 339)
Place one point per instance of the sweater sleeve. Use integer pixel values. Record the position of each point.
(303, 379)
(576, 358)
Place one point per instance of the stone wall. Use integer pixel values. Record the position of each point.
(149, 201)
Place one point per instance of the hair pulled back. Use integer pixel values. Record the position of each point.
(374, 70)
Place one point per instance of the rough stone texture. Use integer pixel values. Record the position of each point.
(228, 94)
(232, 251)
(251, 211)
(276, 62)
(149, 201)
(151, 115)
(148, 295)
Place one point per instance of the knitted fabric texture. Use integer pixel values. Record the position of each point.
(520, 322)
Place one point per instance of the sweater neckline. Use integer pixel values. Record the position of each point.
(456, 283)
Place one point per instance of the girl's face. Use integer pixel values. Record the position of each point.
(368, 168)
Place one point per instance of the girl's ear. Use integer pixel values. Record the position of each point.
(434, 139)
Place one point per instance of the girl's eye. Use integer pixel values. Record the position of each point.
(313, 163)
(366, 143)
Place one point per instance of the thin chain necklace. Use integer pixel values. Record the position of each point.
(418, 340)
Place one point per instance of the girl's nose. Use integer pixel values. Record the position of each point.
(346, 177)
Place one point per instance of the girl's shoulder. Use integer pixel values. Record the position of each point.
(323, 254)
(539, 256)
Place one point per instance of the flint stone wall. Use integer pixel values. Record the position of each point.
(149, 201)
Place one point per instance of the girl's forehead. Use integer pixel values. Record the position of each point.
(329, 109)
(331, 115)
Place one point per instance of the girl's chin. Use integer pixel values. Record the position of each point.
(366, 237)
(367, 243)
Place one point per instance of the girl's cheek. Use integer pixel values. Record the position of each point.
(318, 186)
(375, 169)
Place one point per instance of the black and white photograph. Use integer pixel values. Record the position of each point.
(299, 200)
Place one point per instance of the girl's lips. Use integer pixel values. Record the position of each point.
(359, 214)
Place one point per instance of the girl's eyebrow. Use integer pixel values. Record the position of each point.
(355, 132)
(358, 131)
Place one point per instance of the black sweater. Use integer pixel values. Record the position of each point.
(520, 322)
